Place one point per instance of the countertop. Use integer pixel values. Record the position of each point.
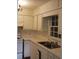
(36, 37)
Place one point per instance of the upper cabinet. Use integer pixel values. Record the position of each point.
(28, 23)
(60, 3)
(20, 20)
(35, 23)
(25, 18)
(40, 23)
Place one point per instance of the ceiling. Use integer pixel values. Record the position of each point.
(32, 4)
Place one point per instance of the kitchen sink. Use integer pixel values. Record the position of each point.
(50, 45)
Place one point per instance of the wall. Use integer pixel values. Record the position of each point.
(52, 7)
(46, 23)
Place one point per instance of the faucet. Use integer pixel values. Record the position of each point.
(49, 40)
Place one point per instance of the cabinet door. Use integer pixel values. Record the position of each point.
(43, 53)
(50, 56)
(35, 24)
(60, 3)
(20, 20)
(40, 22)
(26, 48)
(55, 57)
(28, 22)
(34, 51)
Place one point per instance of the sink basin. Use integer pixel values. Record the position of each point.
(50, 45)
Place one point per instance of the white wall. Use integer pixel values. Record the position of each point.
(45, 23)
(52, 7)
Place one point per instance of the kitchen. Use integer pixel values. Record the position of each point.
(39, 23)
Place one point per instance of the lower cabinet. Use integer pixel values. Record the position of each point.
(34, 51)
(37, 52)
(43, 53)
(55, 57)
(52, 56)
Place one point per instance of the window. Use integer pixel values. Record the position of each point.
(50, 25)
(54, 26)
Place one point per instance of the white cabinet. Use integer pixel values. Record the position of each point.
(20, 20)
(43, 52)
(38, 52)
(32, 22)
(39, 22)
(28, 22)
(34, 51)
(60, 3)
(60, 21)
(35, 23)
(26, 48)
(52, 56)
(19, 49)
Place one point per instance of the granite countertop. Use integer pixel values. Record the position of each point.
(36, 37)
